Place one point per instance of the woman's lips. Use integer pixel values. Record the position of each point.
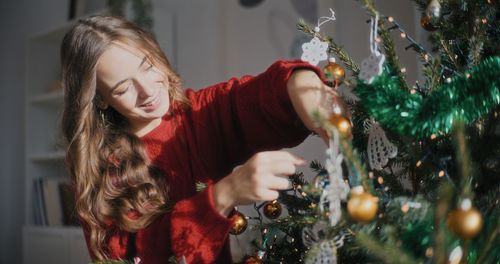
(153, 105)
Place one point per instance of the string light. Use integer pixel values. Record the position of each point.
(403, 35)
(403, 70)
(441, 173)
(429, 252)
(405, 208)
(433, 136)
(419, 163)
(380, 180)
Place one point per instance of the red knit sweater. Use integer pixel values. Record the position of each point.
(227, 123)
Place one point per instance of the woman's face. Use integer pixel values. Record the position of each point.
(128, 82)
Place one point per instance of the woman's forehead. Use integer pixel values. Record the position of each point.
(118, 62)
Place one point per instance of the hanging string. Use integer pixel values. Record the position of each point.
(373, 35)
(322, 20)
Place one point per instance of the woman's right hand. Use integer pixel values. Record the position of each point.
(259, 179)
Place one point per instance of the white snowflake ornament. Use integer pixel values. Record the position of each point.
(314, 51)
(371, 67)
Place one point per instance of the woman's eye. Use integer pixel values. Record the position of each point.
(122, 91)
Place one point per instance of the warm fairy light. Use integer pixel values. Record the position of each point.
(378, 40)
(403, 70)
(313, 205)
(403, 34)
(419, 163)
(405, 208)
(265, 231)
(386, 188)
(380, 215)
(426, 57)
(391, 19)
(293, 239)
(429, 252)
(484, 20)
(448, 80)
(433, 136)
(467, 75)
(304, 194)
(413, 91)
(380, 180)
(370, 174)
(441, 173)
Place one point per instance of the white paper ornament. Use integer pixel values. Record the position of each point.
(312, 235)
(327, 254)
(338, 189)
(379, 149)
(372, 66)
(314, 51)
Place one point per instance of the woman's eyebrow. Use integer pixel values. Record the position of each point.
(124, 80)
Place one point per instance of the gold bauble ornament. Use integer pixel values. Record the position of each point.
(253, 260)
(466, 221)
(427, 23)
(272, 209)
(341, 123)
(239, 225)
(362, 206)
(334, 71)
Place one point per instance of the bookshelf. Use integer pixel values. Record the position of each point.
(47, 241)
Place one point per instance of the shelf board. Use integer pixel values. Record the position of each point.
(77, 230)
(51, 98)
(49, 156)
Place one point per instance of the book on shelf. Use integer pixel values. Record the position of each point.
(53, 203)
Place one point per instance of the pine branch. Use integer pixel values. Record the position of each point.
(388, 253)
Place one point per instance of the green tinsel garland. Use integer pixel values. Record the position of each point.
(466, 97)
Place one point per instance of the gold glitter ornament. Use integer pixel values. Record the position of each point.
(334, 71)
(272, 209)
(240, 224)
(362, 206)
(341, 123)
(427, 23)
(253, 260)
(466, 221)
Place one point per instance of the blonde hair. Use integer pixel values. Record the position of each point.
(109, 168)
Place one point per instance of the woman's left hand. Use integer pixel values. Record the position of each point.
(306, 90)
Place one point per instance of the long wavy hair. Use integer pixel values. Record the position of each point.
(113, 179)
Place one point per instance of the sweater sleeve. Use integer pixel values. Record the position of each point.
(246, 115)
(193, 230)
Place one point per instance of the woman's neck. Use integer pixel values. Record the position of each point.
(143, 129)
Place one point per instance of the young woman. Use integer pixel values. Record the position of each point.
(138, 144)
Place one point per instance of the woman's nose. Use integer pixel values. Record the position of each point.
(144, 88)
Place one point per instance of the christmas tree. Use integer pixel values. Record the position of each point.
(413, 173)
